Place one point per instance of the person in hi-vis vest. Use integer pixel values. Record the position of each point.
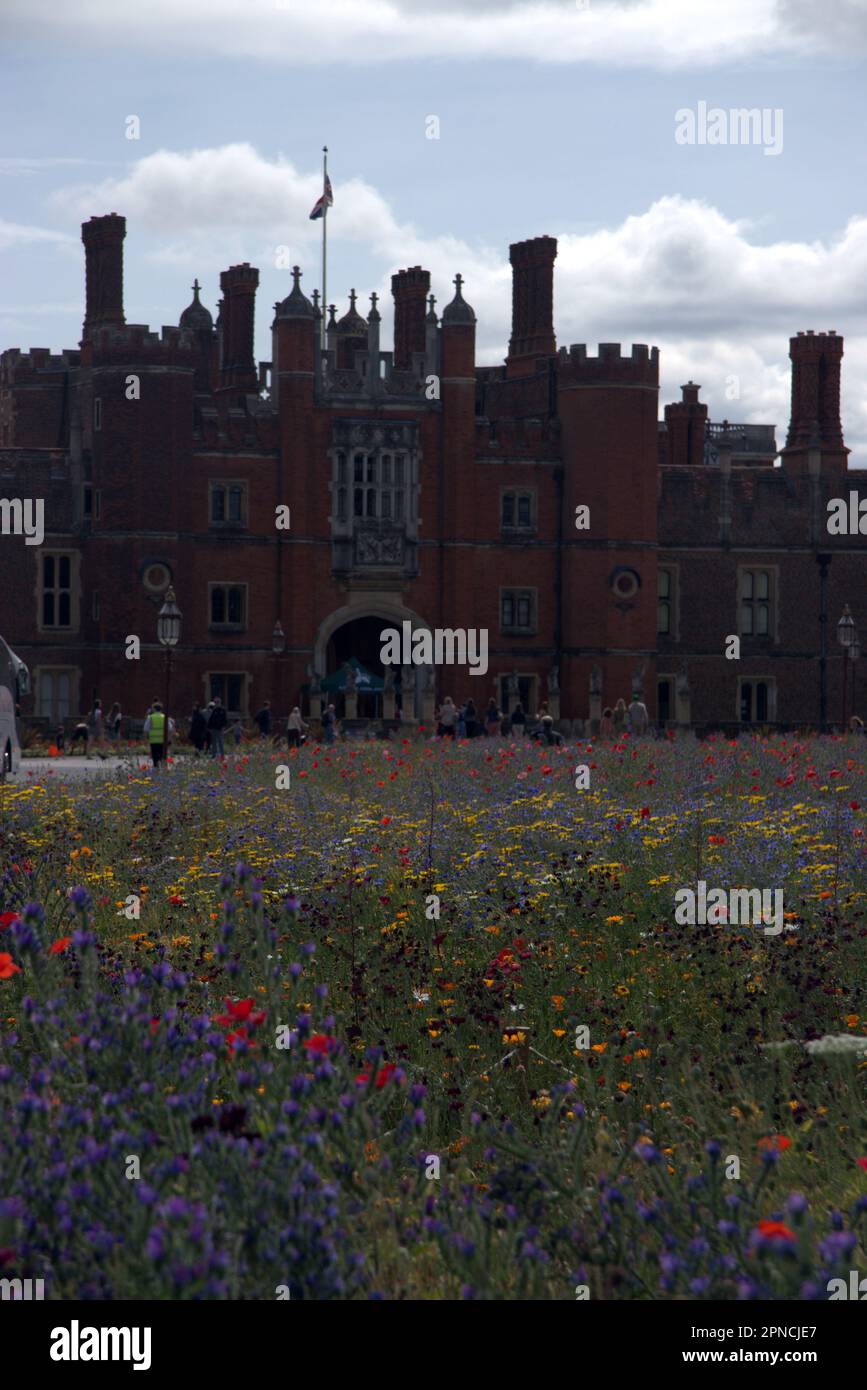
(155, 732)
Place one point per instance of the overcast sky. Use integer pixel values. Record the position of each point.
(558, 117)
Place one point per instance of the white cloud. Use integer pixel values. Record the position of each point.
(18, 234)
(632, 33)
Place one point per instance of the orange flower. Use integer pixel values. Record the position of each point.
(57, 946)
(8, 968)
(776, 1229)
(777, 1141)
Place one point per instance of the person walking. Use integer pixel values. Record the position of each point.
(471, 718)
(217, 722)
(198, 729)
(492, 718)
(448, 718)
(519, 720)
(620, 718)
(549, 734)
(237, 732)
(263, 719)
(295, 728)
(638, 718)
(114, 722)
(96, 729)
(155, 731)
(606, 727)
(329, 723)
(462, 721)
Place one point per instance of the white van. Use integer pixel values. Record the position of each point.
(14, 682)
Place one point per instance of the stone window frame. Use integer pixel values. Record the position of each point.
(227, 626)
(672, 569)
(74, 589)
(522, 590)
(517, 528)
(532, 679)
(74, 675)
(342, 519)
(246, 681)
(228, 523)
(755, 680)
(773, 573)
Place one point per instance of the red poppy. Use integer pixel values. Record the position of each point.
(6, 919)
(862, 1163)
(177, 900)
(386, 820)
(319, 1044)
(239, 1013)
(855, 805)
(645, 812)
(777, 1141)
(383, 1076)
(236, 1036)
(8, 968)
(57, 946)
(775, 1230)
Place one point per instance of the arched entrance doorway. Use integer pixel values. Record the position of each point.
(354, 632)
(357, 645)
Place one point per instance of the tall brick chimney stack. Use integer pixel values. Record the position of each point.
(532, 304)
(686, 422)
(103, 262)
(410, 290)
(816, 359)
(237, 316)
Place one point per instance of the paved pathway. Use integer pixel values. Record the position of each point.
(69, 769)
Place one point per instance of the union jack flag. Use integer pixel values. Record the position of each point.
(324, 202)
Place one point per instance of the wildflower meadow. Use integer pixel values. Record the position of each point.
(416, 1020)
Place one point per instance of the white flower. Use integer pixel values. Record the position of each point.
(837, 1043)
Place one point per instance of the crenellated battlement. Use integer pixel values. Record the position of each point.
(135, 344)
(15, 364)
(610, 367)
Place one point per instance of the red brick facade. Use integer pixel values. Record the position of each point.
(419, 487)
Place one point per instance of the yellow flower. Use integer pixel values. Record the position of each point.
(614, 919)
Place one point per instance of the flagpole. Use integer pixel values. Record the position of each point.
(324, 226)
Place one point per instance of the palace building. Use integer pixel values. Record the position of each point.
(417, 486)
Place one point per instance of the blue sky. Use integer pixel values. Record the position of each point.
(553, 119)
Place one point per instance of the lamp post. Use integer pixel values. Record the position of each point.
(169, 632)
(854, 653)
(846, 635)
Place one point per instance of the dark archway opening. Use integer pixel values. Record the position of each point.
(361, 640)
